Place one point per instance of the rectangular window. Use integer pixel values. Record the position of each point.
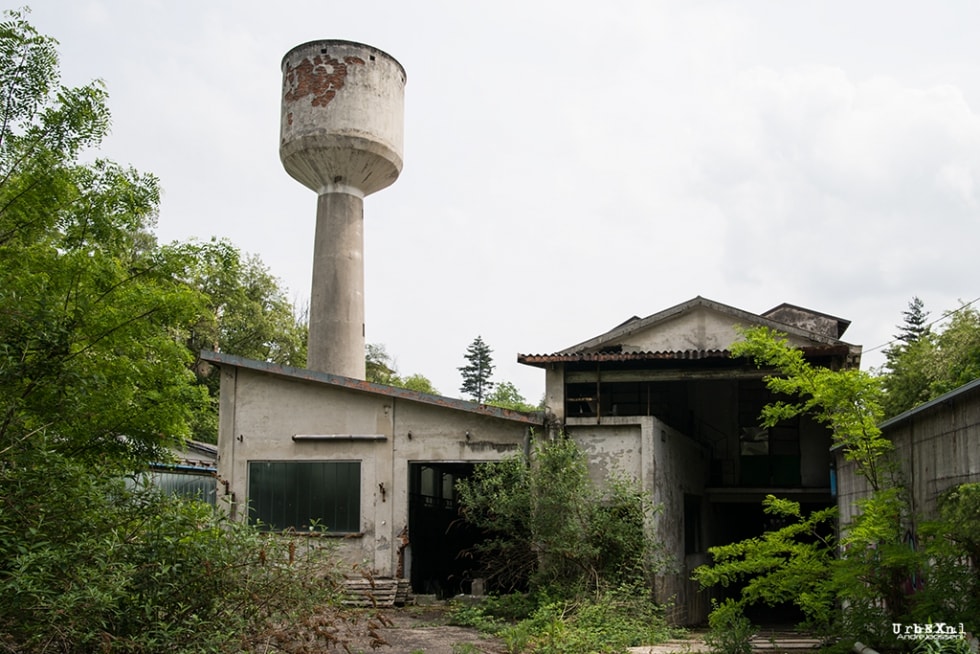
(299, 494)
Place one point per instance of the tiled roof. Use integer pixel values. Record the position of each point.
(568, 357)
(841, 349)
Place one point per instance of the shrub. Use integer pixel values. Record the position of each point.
(730, 632)
(550, 529)
(89, 564)
(610, 623)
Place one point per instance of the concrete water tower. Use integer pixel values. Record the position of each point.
(342, 133)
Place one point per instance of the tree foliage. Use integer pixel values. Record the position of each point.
(506, 395)
(786, 565)
(89, 309)
(847, 401)
(478, 371)
(551, 528)
(246, 313)
(89, 563)
(95, 383)
(914, 325)
(381, 370)
(935, 362)
(882, 575)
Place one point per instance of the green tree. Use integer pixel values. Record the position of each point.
(786, 565)
(779, 565)
(380, 370)
(378, 364)
(478, 371)
(89, 307)
(957, 357)
(550, 526)
(936, 362)
(847, 401)
(417, 382)
(506, 395)
(914, 324)
(95, 382)
(247, 314)
(906, 382)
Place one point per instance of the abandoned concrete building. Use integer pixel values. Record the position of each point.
(661, 399)
(936, 447)
(657, 398)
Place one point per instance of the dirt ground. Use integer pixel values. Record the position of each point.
(417, 630)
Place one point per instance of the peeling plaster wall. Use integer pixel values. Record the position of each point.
(261, 413)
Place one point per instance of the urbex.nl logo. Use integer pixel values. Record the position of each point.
(928, 631)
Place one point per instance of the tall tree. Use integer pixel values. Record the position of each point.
(906, 382)
(478, 370)
(914, 326)
(95, 382)
(89, 307)
(247, 314)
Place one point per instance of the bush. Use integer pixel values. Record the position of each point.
(730, 632)
(89, 564)
(610, 623)
(551, 530)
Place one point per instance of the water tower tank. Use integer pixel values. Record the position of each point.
(341, 135)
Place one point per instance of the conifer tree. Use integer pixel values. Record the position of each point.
(915, 318)
(477, 371)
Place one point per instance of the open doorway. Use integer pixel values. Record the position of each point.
(441, 561)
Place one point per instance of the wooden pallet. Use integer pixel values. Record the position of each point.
(375, 592)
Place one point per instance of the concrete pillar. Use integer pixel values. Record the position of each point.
(336, 342)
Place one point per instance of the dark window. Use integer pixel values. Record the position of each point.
(301, 494)
(692, 524)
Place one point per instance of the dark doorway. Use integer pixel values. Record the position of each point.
(441, 543)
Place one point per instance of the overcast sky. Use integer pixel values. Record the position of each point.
(568, 164)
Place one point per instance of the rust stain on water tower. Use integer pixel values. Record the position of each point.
(321, 77)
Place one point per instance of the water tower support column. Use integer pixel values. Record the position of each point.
(336, 341)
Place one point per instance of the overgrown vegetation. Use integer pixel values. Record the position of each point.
(872, 576)
(924, 362)
(96, 382)
(91, 563)
(578, 559)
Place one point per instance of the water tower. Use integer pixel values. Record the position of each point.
(342, 132)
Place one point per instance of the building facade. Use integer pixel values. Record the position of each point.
(658, 399)
(662, 400)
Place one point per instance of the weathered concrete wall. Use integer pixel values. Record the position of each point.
(668, 465)
(261, 414)
(700, 329)
(937, 447)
